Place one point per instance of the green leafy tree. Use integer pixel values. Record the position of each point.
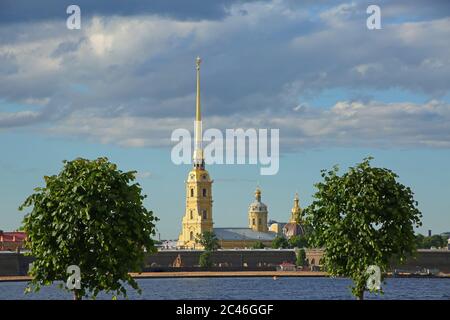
(258, 245)
(90, 215)
(208, 240)
(362, 218)
(420, 238)
(301, 258)
(298, 242)
(210, 243)
(280, 242)
(205, 259)
(436, 241)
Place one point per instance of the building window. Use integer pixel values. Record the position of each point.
(192, 192)
(191, 235)
(192, 215)
(204, 192)
(259, 221)
(205, 215)
(253, 221)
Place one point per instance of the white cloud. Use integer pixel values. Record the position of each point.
(260, 61)
(372, 124)
(143, 174)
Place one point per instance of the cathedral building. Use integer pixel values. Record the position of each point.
(198, 215)
(295, 226)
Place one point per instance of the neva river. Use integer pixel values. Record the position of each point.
(253, 288)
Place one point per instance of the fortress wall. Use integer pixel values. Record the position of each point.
(230, 258)
(428, 259)
(12, 264)
(9, 264)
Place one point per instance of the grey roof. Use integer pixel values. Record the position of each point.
(243, 234)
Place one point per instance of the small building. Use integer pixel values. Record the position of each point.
(12, 241)
(276, 227)
(286, 266)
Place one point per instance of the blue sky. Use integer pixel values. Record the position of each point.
(119, 86)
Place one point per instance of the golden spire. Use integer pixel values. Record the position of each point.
(198, 114)
(199, 161)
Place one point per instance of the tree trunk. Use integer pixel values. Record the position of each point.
(360, 295)
(77, 295)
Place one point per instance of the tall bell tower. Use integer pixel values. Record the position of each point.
(198, 215)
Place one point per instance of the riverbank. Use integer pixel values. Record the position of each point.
(230, 274)
(203, 274)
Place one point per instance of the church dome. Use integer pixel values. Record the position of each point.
(257, 205)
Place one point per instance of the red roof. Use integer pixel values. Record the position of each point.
(16, 236)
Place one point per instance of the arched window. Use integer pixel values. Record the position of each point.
(192, 215)
(191, 235)
(253, 221)
(313, 262)
(192, 192)
(204, 192)
(205, 214)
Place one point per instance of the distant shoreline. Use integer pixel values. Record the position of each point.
(231, 274)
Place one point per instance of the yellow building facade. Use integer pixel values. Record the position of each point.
(198, 216)
(257, 214)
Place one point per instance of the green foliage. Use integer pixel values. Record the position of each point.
(280, 242)
(91, 215)
(298, 242)
(205, 259)
(364, 217)
(208, 240)
(437, 241)
(258, 245)
(301, 258)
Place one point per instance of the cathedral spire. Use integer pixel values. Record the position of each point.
(199, 161)
(198, 114)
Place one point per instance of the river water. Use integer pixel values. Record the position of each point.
(252, 288)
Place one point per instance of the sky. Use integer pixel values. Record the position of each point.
(118, 87)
